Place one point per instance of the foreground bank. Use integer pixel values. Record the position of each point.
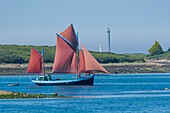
(14, 95)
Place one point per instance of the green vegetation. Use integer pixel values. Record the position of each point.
(23, 95)
(165, 55)
(106, 57)
(156, 52)
(156, 49)
(21, 54)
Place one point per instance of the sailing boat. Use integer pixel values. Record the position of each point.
(68, 60)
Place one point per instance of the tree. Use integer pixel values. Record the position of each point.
(156, 49)
(169, 49)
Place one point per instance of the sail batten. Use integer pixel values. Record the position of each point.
(35, 63)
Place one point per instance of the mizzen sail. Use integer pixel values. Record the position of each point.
(35, 63)
(91, 63)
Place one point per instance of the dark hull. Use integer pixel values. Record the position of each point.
(85, 81)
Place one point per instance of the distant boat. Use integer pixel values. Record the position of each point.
(14, 84)
(69, 59)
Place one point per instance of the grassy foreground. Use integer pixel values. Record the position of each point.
(15, 95)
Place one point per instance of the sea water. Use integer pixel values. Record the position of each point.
(109, 94)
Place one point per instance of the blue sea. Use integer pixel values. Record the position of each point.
(117, 93)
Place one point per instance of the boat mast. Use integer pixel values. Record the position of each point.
(77, 57)
(43, 67)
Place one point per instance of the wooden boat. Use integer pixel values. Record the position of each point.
(69, 59)
(88, 80)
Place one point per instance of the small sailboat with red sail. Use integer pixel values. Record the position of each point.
(69, 59)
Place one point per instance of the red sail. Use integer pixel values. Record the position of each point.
(81, 62)
(91, 63)
(65, 56)
(73, 64)
(35, 63)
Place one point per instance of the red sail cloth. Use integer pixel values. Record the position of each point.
(35, 63)
(65, 56)
(70, 35)
(81, 62)
(91, 63)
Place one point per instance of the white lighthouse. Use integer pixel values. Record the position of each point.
(100, 49)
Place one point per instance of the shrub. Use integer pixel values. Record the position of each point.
(156, 49)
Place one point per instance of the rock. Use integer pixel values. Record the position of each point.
(55, 94)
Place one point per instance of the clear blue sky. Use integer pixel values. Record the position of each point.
(134, 24)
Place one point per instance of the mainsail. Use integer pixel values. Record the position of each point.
(90, 63)
(65, 56)
(35, 63)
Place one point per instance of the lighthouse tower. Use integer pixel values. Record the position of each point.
(108, 40)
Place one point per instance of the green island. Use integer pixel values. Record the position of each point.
(14, 60)
(17, 95)
(19, 54)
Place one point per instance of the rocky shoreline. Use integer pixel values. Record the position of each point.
(138, 68)
(15, 95)
(115, 68)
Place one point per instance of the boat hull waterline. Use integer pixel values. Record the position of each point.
(77, 81)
